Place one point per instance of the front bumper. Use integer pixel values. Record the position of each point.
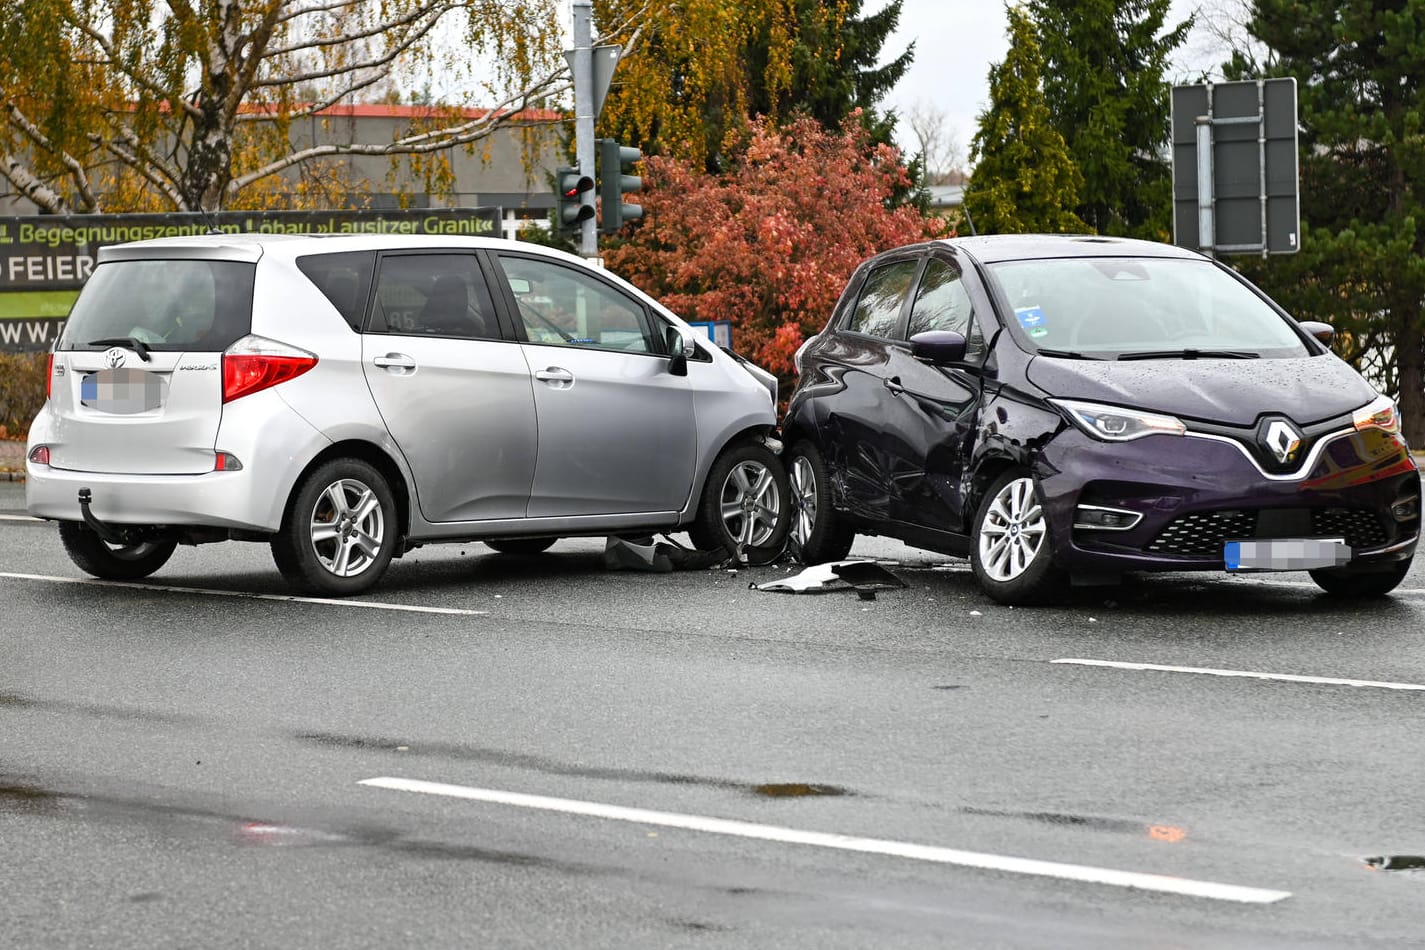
(1193, 494)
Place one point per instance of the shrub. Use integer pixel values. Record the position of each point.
(22, 392)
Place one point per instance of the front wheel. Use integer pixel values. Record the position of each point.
(744, 508)
(1358, 585)
(521, 546)
(1009, 552)
(818, 534)
(340, 531)
(113, 562)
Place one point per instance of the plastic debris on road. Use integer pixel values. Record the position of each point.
(864, 577)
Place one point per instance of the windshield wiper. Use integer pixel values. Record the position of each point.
(1066, 354)
(132, 342)
(1191, 354)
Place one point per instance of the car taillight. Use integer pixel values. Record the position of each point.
(40, 455)
(49, 375)
(255, 363)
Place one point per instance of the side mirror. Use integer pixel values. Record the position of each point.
(681, 346)
(939, 347)
(1324, 332)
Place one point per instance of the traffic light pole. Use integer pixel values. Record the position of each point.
(583, 68)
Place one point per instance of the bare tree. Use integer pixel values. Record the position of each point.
(187, 103)
(937, 143)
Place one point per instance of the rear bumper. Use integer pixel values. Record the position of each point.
(1192, 494)
(273, 443)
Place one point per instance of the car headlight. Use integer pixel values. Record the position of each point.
(1379, 414)
(1116, 424)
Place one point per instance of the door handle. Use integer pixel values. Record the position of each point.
(894, 385)
(556, 376)
(395, 361)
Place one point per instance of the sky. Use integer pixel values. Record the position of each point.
(957, 41)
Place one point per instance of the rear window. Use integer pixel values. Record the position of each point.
(169, 305)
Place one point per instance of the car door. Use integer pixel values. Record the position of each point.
(454, 391)
(930, 412)
(863, 350)
(616, 429)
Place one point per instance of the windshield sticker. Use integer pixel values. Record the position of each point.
(1038, 332)
(1030, 317)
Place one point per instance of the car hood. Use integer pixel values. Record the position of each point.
(1232, 392)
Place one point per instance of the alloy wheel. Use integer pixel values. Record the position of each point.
(803, 478)
(347, 527)
(1012, 532)
(750, 504)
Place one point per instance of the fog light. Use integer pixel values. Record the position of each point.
(40, 455)
(227, 463)
(1098, 518)
(1406, 510)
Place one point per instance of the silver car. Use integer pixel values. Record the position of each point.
(348, 398)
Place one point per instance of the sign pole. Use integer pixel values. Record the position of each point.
(1205, 223)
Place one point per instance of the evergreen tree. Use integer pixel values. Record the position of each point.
(1360, 69)
(1024, 179)
(1104, 62)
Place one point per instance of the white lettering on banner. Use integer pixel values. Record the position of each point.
(10, 331)
(43, 267)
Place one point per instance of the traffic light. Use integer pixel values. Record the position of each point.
(613, 184)
(570, 188)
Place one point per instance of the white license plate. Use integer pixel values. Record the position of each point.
(122, 391)
(1286, 554)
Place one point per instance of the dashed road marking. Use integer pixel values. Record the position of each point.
(901, 849)
(323, 601)
(1244, 674)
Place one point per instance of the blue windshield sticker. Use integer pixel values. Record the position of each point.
(1030, 317)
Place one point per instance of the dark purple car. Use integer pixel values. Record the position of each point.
(1067, 409)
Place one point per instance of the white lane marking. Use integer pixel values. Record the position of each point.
(918, 852)
(327, 601)
(1245, 674)
(21, 518)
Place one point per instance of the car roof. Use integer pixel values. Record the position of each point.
(249, 246)
(993, 248)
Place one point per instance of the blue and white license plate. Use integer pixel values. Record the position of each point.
(122, 391)
(1286, 554)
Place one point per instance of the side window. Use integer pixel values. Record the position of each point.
(879, 305)
(344, 279)
(560, 305)
(433, 295)
(942, 303)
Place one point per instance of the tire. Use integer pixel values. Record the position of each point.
(340, 530)
(1359, 585)
(744, 508)
(525, 547)
(1009, 549)
(817, 533)
(128, 562)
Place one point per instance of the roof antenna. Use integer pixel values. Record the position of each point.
(209, 220)
(968, 220)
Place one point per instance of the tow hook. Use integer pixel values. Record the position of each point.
(107, 533)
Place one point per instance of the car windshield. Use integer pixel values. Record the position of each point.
(1141, 308)
(166, 305)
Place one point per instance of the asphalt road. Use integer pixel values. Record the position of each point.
(536, 752)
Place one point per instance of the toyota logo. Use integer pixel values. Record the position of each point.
(1282, 439)
(115, 357)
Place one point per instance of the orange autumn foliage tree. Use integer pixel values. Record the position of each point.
(769, 244)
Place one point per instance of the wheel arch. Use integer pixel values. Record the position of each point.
(374, 456)
(756, 432)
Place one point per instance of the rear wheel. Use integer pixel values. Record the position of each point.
(818, 534)
(340, 531)
(1346, 583)
(522, 546)
(114, 562)
(744, 508)
(1009, 552)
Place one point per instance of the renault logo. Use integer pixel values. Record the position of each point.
(1282, 439)
(115, 357)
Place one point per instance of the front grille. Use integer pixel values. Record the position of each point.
(1360, 527)
(1203, 533)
